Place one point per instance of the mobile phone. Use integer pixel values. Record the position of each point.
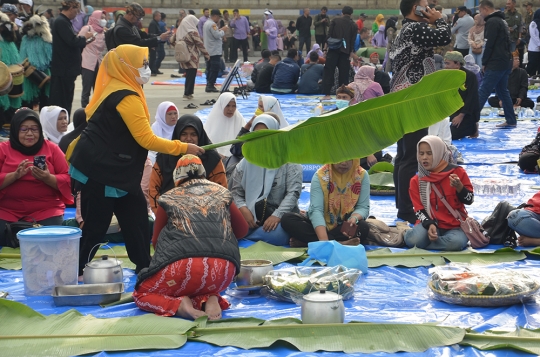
(39, 161)
(418, 10)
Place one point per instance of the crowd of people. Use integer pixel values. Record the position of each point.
(114, 162)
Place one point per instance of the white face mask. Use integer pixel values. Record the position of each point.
(144, 75)
(102, 22)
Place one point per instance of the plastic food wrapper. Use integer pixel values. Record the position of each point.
(495, 186)
(291, 284)
(480, 286)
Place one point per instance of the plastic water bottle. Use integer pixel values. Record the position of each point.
(318, 109)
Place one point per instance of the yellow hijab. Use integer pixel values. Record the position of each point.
(118, 71)
(379, 19)
(340, 191)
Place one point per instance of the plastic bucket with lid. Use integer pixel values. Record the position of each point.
(50, 257)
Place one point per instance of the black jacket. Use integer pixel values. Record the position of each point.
(66, 48)
(497, 56)
(344, 27)
(153, 28)
(264, 79)
(518, 83)
(127, 34)
(107, 152)
(303, 25)
(471, 106)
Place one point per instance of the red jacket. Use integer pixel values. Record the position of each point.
(535, 202)
(443, 218)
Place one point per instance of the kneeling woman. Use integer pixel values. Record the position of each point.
(339, 195)
(263, 195)
(436, 227)
(197, 255)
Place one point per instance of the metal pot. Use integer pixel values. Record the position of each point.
(103, 271)
(252, 272)
(323, 307)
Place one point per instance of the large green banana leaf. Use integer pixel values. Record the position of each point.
(359, 130)
(25, 332)
(10, 258)
(349, 338)
(521, 339)
(263, 250)
(416, 257)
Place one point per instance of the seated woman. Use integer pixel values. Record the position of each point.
(436, 227)
(339, 196)
(197, 255)
(224, 122)
(188, 129)
(263, 195)
(345, 96)
(166, 118)
(364, 86)
(55, 121)
(530, 155)
(26, 191)
(79, 124)
(526, 222)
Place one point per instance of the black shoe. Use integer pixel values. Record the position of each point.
(211, 89)
(159, 72)
(153, 74)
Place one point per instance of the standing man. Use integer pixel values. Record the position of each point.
(412, 58)
(154, 30)
(66, 55)
(228, 38)
(360, 21)
(202, 21)
(515, 22)
(303, 25)
(461, 30)
(322, 23)
(528, 15)
(213, 38)
(496, 61)
(342, 27)
(241, 31)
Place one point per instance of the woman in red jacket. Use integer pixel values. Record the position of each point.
(526, 222)
(436, 227)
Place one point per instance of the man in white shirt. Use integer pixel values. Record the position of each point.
(461, 30)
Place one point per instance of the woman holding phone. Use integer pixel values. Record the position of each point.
(28, 192)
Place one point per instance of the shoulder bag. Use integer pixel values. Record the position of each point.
(334, 43)
(263, 210)
(10, 234)
(472, 229)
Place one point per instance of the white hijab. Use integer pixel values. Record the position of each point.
(271, 104)
(220, 128)
(188, 24)
(160, 126)
(49, 120)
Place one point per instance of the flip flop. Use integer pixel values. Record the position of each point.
(213, 101)
(208, 102)
(191, 106)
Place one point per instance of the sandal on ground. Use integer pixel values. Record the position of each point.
(191, 106)
(208, 102)
(505, 126)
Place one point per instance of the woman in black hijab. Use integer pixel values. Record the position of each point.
(79, 123)
(188, 129)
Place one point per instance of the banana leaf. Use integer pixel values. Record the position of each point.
(10, 258)
(382, 181)
(521, 339)
(349, 338)
(416, 257)
(359, 130)
(263, 250)
(25, 332)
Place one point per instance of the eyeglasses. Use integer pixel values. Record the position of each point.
(33, 129)
(145, 64)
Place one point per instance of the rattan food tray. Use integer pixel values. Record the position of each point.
(483, 300)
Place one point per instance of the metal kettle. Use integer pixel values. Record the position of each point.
(323, 307)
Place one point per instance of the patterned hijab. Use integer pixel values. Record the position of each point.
(341, 191)
(188, 167)
(442, 156)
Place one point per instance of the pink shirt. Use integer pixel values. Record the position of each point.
(28, 196)
(93, 52)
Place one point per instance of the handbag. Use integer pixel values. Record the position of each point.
(334, 43)
(348, 230)
(263, 210)
(470, 226)
(477, 51)
(10, 233)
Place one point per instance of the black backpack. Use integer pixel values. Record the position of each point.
(496, 225)
(110, 40)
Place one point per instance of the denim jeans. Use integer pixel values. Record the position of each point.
(477, 57)
(499, 81)
(449, 239)
(276, 237)
(525, 222)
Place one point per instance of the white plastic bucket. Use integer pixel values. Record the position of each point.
(50, 257)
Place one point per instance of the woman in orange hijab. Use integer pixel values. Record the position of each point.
(107, 161)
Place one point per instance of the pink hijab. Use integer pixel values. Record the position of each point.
(93, 21)
(362, 80)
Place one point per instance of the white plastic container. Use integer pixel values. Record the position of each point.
(50, 257)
